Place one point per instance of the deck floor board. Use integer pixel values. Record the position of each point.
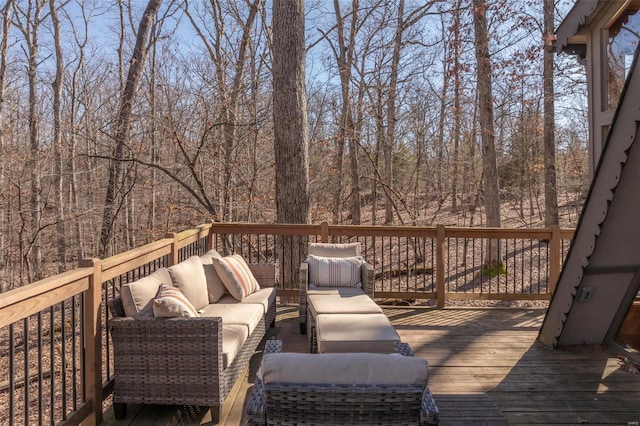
(486, 368)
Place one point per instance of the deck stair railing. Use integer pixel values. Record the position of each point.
(55, 352)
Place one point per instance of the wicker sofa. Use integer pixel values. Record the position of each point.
(341, 389)
(191, 359)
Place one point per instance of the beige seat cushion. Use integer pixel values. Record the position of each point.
(338, 304)
(346, 368)
(355, 333)
(188, 276)
(264, 297)
(233, 337)
(137, 297)
(247, 314)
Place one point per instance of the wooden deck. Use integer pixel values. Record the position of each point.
(486, 368)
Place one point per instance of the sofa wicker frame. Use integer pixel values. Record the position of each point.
(323, 404)
(176, 361)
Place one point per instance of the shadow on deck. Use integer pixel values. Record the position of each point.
(486, 368)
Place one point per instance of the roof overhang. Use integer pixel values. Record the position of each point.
(573, 32)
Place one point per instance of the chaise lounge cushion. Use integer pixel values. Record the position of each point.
(246, 314)
(137, 296)
(344, 368)
(236, 276)
(171, 303)
(335, 271)
(188, 276)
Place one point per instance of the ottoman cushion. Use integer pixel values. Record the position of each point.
(355, 333)
(336, 304)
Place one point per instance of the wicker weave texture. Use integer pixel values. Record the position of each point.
(179, 360)
(314, 404)
(170, 361)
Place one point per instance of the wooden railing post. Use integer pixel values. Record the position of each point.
(324, 232)
(175, 254)
(212, 235)
(554, 258)
(440, 250)
(93, 340)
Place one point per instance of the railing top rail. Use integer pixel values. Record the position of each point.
(43, 286)
(265, 228)
(22, 302)
(191, 235)
(370, 230)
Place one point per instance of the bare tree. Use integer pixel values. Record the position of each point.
(290, 124)
(115, 191)
(485, 102)
(4, 48)
(57, 138)
(230, 97)
(457, 110)
(28, 21)
(550, 188)
(403, 23)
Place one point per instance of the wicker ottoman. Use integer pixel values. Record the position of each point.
(355, 333)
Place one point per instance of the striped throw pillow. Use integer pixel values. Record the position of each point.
(335, 271)
(236, 276)
(171, 302)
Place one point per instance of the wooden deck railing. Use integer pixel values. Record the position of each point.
(56, 354)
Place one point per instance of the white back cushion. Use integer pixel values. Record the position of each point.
(188, 276)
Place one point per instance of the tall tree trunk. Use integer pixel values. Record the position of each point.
(290, 127)
(229, 97)
(30, 29)
(4, 47)
(345, 52)
(550, 188)
(485, 102)
(391, 115)
(457, 112)
(440, 166)
(57, 140)
(338, 161)
(380, 143)
(72, 196)
(114, 193)
(153, 148)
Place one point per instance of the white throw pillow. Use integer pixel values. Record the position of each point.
(236, 276)
(335, 271)
(188, 276)
(172, 303)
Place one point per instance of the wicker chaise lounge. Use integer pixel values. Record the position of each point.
(307, 285)
(299, 389)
